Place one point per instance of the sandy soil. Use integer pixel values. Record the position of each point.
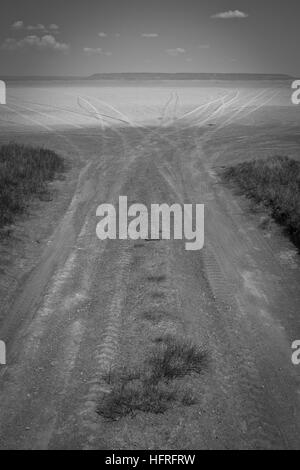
(83, 305)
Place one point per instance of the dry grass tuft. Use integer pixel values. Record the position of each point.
(24, 173)
(153, 388)
(275, 184)
(175, 357)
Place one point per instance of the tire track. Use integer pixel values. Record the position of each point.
(106, 351)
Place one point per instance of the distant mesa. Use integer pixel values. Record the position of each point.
(158, 76)
(188, 76)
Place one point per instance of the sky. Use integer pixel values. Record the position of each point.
(82, 37)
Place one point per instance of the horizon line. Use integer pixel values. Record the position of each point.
(132, 74)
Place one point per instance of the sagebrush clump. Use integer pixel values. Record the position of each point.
(24, 173)
(275, 183)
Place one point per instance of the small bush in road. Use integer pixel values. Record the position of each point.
(174, 357)
(153, 388)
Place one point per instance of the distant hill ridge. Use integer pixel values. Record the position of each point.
(188, 76)
(159, 76)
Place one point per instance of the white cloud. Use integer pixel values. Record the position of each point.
(102, 35)
(18, 25)
(150, 35)
(36, 27)
(46, 42)
(50, 42)
(96, 51)
(9, 45)
(176, 52)
(228, 15)
(54, 27)
(92, 50)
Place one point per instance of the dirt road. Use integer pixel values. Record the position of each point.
(90, 305)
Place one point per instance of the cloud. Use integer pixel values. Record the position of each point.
(46, 42)
(228, 15)
(50, 42)
(102, 35)
(37, 27)
(92, 50)
(96, 51)
(54, 27)
(150, 35)
(204, 46)
(176, 52)
(18, 25)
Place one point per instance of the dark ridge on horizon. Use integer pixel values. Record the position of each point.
(160, 76)
(188, 76)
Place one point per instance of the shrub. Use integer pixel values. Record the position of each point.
(24, 172)
(274, 183)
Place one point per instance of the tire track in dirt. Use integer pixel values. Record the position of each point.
(36, 330)
(105, 352)
(266, 430)
(261, 429)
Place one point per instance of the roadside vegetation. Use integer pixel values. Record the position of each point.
(273, 183)
(24, 174)
(158, 384)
